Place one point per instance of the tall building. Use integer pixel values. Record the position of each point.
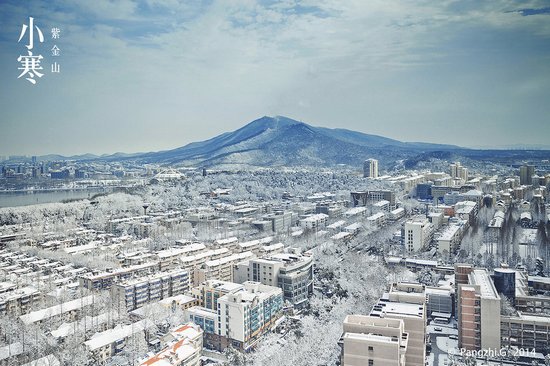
(526, 173)
(478, 312)
(369, 340)
(459, 172)
(241, 317)
(418, 233)
(370, 168)
(291, 271)
(210, 291)
(413, 316)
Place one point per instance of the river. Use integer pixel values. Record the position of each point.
(25, 198)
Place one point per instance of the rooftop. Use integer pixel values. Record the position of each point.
(487, 288)
(42, 314)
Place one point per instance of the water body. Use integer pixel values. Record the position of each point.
(25, 198)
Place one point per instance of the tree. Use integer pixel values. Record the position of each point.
(507, 307)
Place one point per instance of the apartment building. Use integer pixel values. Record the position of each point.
(192, 263)
(376, 221)
(314, 222)
(369, 197)
(169, 258)
(413, 316)
(137, 292)
(208, 292)
(417, 233)
(105, 280)
(449, 240)
(19, 301)
(292, 271)
(372, 341)
(526, 331)
(248, 313)
(478, 312)
(67, 312)
(241, 316)
(370, 168)
(221, 269)
(104, 345)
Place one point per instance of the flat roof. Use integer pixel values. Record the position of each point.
(487, 288)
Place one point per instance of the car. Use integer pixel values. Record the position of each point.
(453, 336)
(438, 329)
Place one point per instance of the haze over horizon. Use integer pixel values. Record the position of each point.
(152, 75)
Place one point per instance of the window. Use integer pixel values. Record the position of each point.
(371, 348)
(371, 362)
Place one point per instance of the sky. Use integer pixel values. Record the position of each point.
(149, 75)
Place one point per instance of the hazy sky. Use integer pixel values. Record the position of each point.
(156, 74)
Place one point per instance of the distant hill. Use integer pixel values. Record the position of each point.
(281, 141)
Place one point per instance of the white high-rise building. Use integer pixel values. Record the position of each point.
(459, 172)
(369, 340)
(370, 168)
(418, 233)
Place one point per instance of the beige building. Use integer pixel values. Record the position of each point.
(221, 269)
(478, 312)
(370, 168)
(526, 331)
(413, 316)
(369, 340)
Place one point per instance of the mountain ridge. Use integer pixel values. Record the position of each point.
(282, 141)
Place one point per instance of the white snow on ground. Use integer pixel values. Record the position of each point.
(444, 343)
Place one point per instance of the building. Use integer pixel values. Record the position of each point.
(369, 197)
(104, 280)
(409, 292)
(414, 320)
(439, 300)
(526, 331)
(424, 191)
(169, 258)
(369, 340)
(242, 316)
(221, 269)
(314, 222)
(376, 221)
(20, 301)
(291, 271)
(459, 172)
(417, 233)
(526, 173)
(185, 350)
(449, 240)
(478, 312)
(370, 168)
(104, 345)
(137, 292)
(193, 263)
(208, 292)
(248, 313)
(67, 312)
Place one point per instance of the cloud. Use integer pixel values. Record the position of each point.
(181, 71)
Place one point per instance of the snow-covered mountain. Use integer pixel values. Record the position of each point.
(281, 141)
